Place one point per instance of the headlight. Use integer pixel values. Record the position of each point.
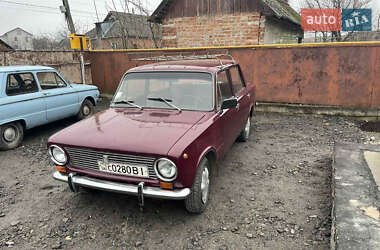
(165, 169)
(58, 155)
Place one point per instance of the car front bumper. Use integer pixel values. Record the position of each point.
(154, 192)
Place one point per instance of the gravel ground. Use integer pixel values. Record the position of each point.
(272, 192)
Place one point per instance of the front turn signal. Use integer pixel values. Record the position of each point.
(166, 185)
(61, 169)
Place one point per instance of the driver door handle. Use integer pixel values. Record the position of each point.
(46, 93)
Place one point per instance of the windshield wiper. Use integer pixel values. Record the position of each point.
(167, 101)
(131, 103)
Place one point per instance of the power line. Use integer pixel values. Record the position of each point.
(46, 12)
(45, 7)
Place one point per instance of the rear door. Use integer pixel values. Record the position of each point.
(60, 98)
(241, 93)
(23, 100)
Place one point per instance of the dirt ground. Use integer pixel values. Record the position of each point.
(272, 192)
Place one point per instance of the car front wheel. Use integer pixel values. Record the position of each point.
(11, 135)
(198, 199)
(86, 110)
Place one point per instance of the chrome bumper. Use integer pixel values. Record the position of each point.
(179, 194)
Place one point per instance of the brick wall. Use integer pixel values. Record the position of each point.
(132, 43)
(219, 30)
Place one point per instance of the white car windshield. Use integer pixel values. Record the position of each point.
(166, 90)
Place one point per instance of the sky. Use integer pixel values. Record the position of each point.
(44, 17)
(29, 15)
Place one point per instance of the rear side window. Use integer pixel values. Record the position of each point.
(50, 80)
(21, 83)
(237, 83)
(224, 87)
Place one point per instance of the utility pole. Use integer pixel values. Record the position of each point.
(68, 17)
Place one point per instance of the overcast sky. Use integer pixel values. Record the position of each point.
(44, 17)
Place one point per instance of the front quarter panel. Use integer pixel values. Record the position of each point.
(86, 91)
(199, 140)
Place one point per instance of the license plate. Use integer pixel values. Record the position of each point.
(123, 169)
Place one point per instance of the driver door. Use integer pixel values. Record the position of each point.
(228, 118)
(61, 99)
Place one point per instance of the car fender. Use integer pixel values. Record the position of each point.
(206, 151)
(16, 119)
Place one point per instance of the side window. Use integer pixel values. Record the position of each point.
(237, 83)
(50, 80)
(21, 83)
(224, 87)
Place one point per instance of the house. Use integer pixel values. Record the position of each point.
(356, 36)
(5, 47)
(196, 23)
(364, 36)
(18, 39)
(121, 30)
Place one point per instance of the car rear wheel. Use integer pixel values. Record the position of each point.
(86, 110)
(244, 135)
(197, 201)
(11, 135)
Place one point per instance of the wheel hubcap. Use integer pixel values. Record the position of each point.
(86, 110)
(9, 134)
(205, 185)
(247, 127)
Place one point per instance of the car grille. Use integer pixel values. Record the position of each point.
(88, 159)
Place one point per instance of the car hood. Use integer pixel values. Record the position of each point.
(83, 86)
(129, 130)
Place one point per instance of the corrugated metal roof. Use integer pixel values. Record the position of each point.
(280, 10)
(117, 23)
(283, 11)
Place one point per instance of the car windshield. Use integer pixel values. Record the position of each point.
(166, 90)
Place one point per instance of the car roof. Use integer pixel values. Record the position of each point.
(209, 65)
(23, 68)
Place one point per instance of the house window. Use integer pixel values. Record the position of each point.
(114, 45)
(16, 39)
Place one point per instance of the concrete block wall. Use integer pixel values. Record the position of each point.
(66, 62)
(218, 30)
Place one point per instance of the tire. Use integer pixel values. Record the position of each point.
(86, 110)
(11, 135)
(244, 135)
(197, 201)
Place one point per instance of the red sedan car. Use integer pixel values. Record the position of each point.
(166, 129)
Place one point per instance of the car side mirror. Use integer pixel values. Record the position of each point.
(229, 103)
